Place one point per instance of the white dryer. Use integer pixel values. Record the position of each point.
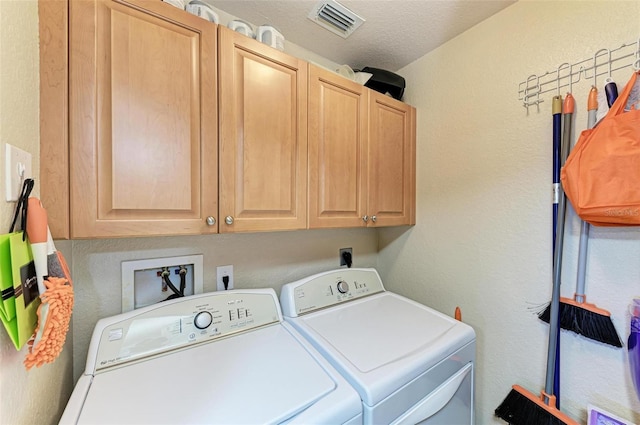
(215, 358)
(409, 363)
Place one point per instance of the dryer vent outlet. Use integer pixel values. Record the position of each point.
(346, 257)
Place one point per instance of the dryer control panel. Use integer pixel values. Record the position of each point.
(179, 323)
(327, 289)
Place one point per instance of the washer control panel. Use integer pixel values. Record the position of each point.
(327, 289)
(182, 322)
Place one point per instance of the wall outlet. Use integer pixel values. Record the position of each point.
(221, 273)
(342, 260)
(143, 285)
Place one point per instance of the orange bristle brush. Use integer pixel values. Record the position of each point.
(522, 407)
(56, 291)
(577, 315)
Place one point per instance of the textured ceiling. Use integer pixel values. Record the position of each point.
(396, 32)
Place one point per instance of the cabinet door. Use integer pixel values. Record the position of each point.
(391, 162)
(338, 111)
(53, 21)
(143, 120)
(263, 136)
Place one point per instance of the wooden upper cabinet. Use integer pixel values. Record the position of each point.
(338, 111)
(391, 165)
(53, 21)
(263, 136)
(157, 122)
(361, 155)
(143, 120)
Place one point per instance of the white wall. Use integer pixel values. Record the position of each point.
(483, 238)
(37, 396)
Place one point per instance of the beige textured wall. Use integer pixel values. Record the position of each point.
(259, 260)
(483, 238)
(483, 235)
(37, 396)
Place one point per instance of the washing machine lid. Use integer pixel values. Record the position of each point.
(262, 376)
(383, 341)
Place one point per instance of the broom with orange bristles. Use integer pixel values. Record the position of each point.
(522, 407)
(576, 314)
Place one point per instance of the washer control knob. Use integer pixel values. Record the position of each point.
(343, 287)
(203, 320)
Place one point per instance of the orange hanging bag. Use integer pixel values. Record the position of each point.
(601, 176)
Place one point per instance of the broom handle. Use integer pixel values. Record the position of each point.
(592, 107)
(555, 300)
(556, 108)
(582, 262)
(557, 264)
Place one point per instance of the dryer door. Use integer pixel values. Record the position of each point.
(450, 403)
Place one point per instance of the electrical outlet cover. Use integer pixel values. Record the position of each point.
(17, 168)
(350, 251)
(224, 271)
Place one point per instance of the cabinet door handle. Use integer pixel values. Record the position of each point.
(229, 220)
(211, 221)
(374, 218)
(365, 218)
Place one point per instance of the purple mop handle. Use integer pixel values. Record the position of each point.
(633, 346)
(611, 90)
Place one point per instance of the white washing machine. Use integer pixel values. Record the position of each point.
(409, 363)
(215, 358)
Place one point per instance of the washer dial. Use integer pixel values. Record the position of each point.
(343, 287)
(203, 320)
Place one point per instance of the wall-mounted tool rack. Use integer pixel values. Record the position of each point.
(603, 63)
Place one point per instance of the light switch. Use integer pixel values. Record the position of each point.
(17, 168)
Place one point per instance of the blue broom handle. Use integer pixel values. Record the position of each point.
(556, 109)
(557, 165)
(554, 330)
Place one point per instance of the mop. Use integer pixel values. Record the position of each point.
(56, 292)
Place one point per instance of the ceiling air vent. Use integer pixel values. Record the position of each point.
(335, 17)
